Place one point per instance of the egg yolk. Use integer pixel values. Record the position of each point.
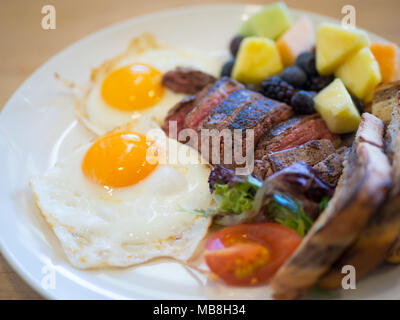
(120, 159)
(133, 87)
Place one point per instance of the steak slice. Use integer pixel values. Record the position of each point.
(211, 96)
(187, 80)
(376, 240)
(310, 153)
(260, 116)
(330, 169)
(361, 189)
(178, 113)
(294, 132)
(225, 112)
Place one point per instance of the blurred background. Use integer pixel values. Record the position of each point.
(25, 46)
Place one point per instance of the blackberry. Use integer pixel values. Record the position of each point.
(235, 44)
(303, 102)
(306, 61)
(318, 82)
(295, 76)
(359, 104)
(277, 89)
(227, 68)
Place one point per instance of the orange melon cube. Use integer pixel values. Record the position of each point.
(386, 55)
(299, 38)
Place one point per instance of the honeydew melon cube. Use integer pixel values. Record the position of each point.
(334, 44)
(336, 107)
(360, 74)
(257, 59)
(270, 22)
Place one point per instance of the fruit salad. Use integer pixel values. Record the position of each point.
(328, 68)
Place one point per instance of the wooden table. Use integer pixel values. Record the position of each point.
(25, 46)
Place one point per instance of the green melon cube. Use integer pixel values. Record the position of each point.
(270, 22)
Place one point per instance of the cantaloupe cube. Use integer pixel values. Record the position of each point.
(386, 55)
(336, 107)
(257, 59)
(270, 22)
(360, 74)
(334, 44)
(299, 38)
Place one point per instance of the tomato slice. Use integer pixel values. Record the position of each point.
(250, 254)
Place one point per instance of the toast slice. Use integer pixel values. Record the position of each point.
(384, 100)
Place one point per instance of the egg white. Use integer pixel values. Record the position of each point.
(101, 118)
(98, 226)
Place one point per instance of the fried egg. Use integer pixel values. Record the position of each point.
(129, 88)
(117, 202)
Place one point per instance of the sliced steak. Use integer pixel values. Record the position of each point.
(260, 116)
(294, 132)
(222, 115)
(376, 240)
(310, 153)
(330, 169)
(361, 189)
(245, 110)
(178, 113)
(187, 80)
(211, 96)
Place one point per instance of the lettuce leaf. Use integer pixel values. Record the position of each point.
(289, 212)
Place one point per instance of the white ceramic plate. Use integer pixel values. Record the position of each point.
(37, 126)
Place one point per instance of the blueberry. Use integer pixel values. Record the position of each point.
(302, 102)
(227, 68)
(306, 61)
(295, 76)
(235, 44)
(359, 104)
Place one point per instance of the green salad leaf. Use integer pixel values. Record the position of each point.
(289, 212)
(324, 203)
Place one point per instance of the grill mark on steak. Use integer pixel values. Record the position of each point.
(187, 80)
(225, 112)
(310, 153)
(277, 132)
(330, 169)
(260, 116)
(309, 128)
(210, 98)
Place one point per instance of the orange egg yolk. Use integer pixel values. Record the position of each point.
(133, 87)
(120, 159)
